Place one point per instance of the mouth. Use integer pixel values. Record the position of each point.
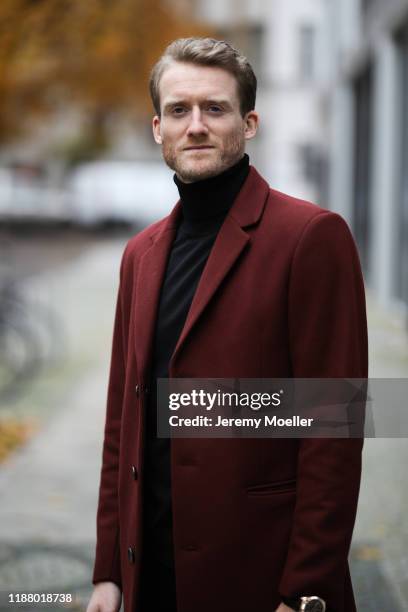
(198, 148)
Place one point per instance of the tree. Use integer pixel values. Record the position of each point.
(94, 53)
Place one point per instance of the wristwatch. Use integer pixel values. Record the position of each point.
(306, 603)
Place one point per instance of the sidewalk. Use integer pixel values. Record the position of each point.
(379, 558)
(49, 489)
(49, 496)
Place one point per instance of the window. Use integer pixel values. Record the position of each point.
(307, 52)
(401, 268)
(366, 5)
(362, 163)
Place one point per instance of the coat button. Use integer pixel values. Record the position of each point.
(131, 555)
(134, 472)
(137, 390)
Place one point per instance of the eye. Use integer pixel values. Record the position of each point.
(214, 108)
(178, 110)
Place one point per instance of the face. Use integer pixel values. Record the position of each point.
(201, 129)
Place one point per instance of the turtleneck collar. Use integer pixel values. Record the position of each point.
(205, 203)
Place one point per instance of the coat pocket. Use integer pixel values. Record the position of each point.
(270, 488)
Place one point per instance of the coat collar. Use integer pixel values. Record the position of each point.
(229, 244)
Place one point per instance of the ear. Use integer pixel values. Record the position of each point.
(251, 124)
(157, 129)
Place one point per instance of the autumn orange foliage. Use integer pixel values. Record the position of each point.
(95, 53)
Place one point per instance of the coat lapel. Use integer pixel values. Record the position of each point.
(149, 280)
(230, 243)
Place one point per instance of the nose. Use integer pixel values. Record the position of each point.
(196, 126)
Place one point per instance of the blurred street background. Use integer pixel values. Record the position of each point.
(80, 174)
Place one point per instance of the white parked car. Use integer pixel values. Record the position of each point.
(117, 191)
(25, 200)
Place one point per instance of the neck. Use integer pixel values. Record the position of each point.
(210, 199)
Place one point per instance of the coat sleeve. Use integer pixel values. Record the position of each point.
(328, 336)
(107, 557)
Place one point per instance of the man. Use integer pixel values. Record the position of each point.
(239, 281)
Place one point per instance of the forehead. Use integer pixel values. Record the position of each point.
(189, 81)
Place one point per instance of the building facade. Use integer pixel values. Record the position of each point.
(368, 95)
(285, 43)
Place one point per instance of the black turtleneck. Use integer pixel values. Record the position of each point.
(205, 205)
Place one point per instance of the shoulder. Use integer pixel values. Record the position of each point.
(319, 241)
(292, 209)
(300, 219)
(138, 244)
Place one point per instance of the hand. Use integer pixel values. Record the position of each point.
(283, 608)
(106, 597)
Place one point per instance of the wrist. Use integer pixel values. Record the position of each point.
(305, 603)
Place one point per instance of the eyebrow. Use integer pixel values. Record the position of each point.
(181, 102)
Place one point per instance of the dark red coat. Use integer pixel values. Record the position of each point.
(281, 295)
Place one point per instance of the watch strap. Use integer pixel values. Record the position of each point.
(292, 602)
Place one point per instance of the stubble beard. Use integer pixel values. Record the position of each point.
(218, 160)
